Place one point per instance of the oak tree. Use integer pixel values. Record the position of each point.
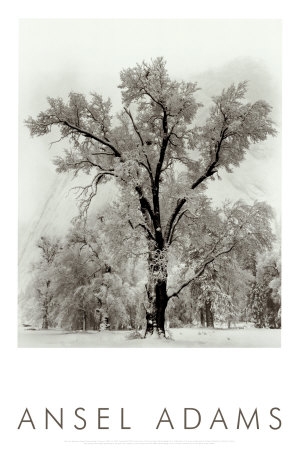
(160, 155)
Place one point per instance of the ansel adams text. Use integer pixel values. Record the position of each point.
(191, 419)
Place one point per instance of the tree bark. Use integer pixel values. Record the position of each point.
(202, 317)
(45, 324)
(84, 321)
(155, 311)
(46, 303)
(209, 314)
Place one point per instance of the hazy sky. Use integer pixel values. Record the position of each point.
(57, 56)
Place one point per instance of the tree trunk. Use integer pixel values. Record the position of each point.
(103, 319)
(45, 324)
(155, 311)
(202, 317)
(84, 321)
(209, 314)
(156, 289)
(46, 303)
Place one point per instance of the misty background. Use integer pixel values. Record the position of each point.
(59, 56)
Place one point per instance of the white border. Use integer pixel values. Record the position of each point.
(115, 378)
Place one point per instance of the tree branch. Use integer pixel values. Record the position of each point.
(85, 202)
(92, 136)
(146, 92)
(212, 167)
(102, 153)
(144, 227)
(134, 125)
(87, 161)
(211, 170)
(200, 271)
(145, 205)
(170, 237)
(162, 150)
(170, 223)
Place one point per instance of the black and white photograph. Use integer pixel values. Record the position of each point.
(150, 293)
(149, 183)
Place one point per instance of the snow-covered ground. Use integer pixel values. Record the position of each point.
(179, 337)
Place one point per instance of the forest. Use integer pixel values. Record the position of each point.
(161, 254)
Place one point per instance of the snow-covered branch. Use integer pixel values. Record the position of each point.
(200, 271)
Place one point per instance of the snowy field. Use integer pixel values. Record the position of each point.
(179, 337)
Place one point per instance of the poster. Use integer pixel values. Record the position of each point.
(146, 396)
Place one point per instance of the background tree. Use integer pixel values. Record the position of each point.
(264, 300)
(79, 277)
(87, 291)
(220, 295)
(231, 233)
(236, 283)
(37, 300)
(43, 282)
(159, 155)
